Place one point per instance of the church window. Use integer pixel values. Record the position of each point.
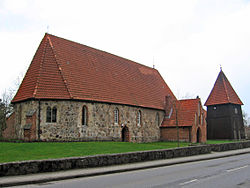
(48, 115)
(116, 114)
(51, 114)
(157, 119)
(139, 118)
(54, 114)
(84, 115)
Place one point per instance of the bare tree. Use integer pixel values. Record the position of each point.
(177, 108)
(174, 107)
(6, 107)
(245, 118)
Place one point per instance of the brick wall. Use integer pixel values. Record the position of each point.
(9, 132)
(170, 133)
(30, 134)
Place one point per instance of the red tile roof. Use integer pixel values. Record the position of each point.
(62, 69)
(186, 110)
(222, 92)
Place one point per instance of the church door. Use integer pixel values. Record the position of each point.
(198, 135)
(125, 134)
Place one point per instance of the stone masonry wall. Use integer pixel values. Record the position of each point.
(100, 122)
(52, 165)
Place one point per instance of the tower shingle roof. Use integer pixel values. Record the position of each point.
(222, 92)
(62, 69)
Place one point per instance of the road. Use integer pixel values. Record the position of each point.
(224, 172)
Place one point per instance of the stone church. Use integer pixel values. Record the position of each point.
(224, 114)
(72, 92)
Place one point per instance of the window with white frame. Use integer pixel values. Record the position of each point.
(139, 118)
(84, 115)
(116, 116)
(51, 115)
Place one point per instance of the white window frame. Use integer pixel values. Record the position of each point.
(116, 116)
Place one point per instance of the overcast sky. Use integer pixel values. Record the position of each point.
(187, 40)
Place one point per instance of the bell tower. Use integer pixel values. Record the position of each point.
(224, 114)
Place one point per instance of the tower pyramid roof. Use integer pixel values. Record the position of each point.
(222, 92)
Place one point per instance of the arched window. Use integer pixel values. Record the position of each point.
(54, 114)
(157, 119)
(84, 115)
(139, 117)
(48, 115)
(116, 116)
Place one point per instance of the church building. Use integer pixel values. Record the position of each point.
(224, 115)
(72, 92)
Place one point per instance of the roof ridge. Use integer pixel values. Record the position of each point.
(40, 67)
(59, 67)
(224, 84)
(97, 51)
(189, 99)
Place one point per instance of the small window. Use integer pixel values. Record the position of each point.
(48, 115)
(54, 114)
(170, 113)
(157, 119)
(51, 114)
(84, 115)
(236, 111)
(116, 116)
(139, 117)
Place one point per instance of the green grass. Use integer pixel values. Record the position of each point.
(221, 141)
(51, 150)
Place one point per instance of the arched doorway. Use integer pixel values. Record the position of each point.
(198, 135)
(125, 134)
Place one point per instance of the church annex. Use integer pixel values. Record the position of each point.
(72, 92)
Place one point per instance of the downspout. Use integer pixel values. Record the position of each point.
(39, 119)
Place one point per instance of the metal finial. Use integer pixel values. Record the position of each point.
(220, 67)
(153, 62)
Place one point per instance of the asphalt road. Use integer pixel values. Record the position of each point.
(224, 172)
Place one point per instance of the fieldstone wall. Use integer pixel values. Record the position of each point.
(100, 121)
(230, 146)
(51, 165)
(28, 167)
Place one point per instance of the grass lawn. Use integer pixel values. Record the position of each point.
(221, 141)
(51, 150)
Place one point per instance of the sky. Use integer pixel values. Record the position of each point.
(186, 40)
